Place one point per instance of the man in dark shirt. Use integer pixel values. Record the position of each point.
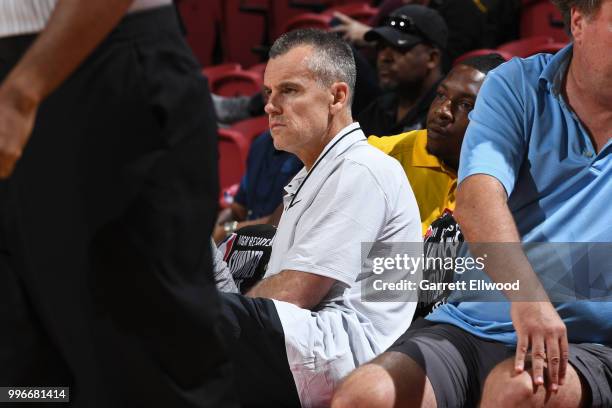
(466, 21)
(261, 189)
(410, 45)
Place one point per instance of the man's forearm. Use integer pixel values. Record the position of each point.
(74, 29)
(489, 228)
(303, 289)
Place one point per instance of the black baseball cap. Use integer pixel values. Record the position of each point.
(410, 25)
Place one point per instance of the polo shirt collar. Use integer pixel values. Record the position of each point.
(556, 69)
(422, 158)
(353, 134)
(347, 137)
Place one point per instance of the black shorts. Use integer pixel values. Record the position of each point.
(254, 336)
(457, 363)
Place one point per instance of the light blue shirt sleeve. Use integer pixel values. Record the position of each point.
(494, 143)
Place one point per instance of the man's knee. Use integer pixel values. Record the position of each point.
(391, 379)
(369, 385)
(505, 388)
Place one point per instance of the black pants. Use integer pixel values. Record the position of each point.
(105, 269)
(254, 334)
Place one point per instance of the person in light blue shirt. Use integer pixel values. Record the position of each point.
(535, 167)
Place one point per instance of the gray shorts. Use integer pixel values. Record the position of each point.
(457, 363)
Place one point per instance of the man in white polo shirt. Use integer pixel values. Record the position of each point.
(108, 191)
(348, 193)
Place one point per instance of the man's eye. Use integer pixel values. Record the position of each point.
(439, 95)
(466, 105)
(289, 90)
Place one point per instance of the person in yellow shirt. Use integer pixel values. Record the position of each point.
(430, 157)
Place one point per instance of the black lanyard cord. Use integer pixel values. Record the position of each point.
(319, 161)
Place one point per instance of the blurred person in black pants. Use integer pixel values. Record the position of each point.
(108, 167)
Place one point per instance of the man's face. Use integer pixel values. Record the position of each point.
(447, 119)
(592, 46)
(402, 69)
(298, 106)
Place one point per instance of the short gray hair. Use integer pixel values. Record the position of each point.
(332, 59)
(587, 7)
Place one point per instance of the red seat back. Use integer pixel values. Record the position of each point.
(215, 71)
(233, 151)
(362, 12)
(308, 20)
(550, 48)
(281, 12)
(541, 17)
(235, 83)
(243, 30)
(523, 48)
(258, 68)
(201, 19)
(252, 127)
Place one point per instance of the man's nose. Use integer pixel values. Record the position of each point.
(445, 110)
(271, 106)
(385, 54)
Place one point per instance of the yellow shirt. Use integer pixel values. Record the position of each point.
(433, 183)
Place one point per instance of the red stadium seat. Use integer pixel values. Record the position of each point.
(483, 51)
(215, 71)
(550, 48)
(258, 68)
(341, 2)
(251, 128)
(233, 150)
(362, 12)
(281, 12)
(308, 20)
(522, 48)
(244, 27)
(541, 17)
(201, 21)
(235, 83)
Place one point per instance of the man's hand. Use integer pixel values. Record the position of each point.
(539, 328)
(351, 30)
(17, 115)
(484, 216)
(74, 29)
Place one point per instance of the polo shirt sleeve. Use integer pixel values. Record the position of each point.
(350, 208)
(494, 142)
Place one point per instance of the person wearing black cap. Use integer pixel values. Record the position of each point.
(410, 45)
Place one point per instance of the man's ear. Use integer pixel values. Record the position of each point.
(577, 20)
(340, 93)
(435, 58)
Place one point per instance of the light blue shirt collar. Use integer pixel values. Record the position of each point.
(556, 69)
